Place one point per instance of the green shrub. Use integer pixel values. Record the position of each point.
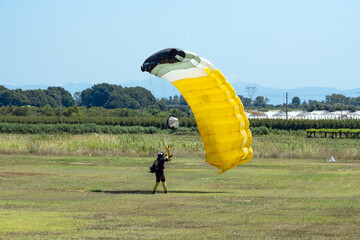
(259, 130)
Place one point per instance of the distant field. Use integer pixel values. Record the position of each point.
(284, 145)
(65, 197)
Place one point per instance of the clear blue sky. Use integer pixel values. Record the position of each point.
(281, 44)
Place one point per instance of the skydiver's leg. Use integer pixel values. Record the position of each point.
(164, 186)
(164, 183)
(155, 187)
(157, 182)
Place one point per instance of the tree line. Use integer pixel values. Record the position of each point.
(111, 96)
(52, 96)
(108, 96)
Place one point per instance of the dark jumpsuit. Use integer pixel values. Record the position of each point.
(160, 171)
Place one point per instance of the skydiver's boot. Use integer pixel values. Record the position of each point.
(164, 186)
(155, 187)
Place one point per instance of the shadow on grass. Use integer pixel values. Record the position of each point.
(150, 192)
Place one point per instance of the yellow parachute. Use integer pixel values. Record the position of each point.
(218, 111)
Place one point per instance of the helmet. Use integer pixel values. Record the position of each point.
(161, 155)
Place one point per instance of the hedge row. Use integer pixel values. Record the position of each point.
(333, 133)
(72, 128)
(188, 122)
(303, 124)
(28, 128)
(157, 122)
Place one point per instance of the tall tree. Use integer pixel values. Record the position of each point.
(296, 101)
(13, 98)
(39, 98)
(259, 102)
(247, 102)
(98, 95)
(336, 98)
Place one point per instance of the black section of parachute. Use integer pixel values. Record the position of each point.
(166, 55)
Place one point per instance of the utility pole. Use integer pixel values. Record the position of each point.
(341, 110)
(286, 105)
(58, 96)
(59, 107)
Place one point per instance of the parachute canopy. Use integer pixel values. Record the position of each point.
(218, 111)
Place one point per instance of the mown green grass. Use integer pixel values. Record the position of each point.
(64, 197)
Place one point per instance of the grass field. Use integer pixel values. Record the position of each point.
(286, 145)
(67, 197)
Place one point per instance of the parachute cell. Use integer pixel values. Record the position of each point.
(218, 111)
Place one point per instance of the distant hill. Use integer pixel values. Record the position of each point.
(76, 87)
(71, 87)
(162, 88)
(26, 87)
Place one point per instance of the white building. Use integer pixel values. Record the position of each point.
(275, 114)
(295, 114)
(316, 115)
(353, 115)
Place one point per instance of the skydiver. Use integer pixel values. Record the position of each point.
(159, 171)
